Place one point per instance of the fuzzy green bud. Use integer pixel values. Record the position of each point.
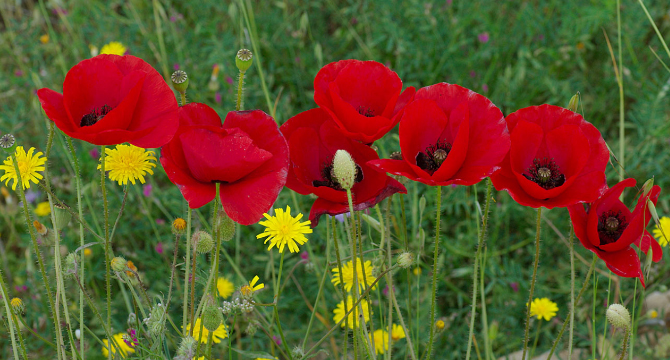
(618, 316)
(119, 264)
(187, 348)
(226, 226)
(179, 81)
(211, 317)
(8, 143)
(573, 105)
(156, 321)
(70, 265)
(405, 260)
(203, 242)
(62, 216)
(17, 306)
(344, 169)
(654, 214)
(646, 188)
(243, 59)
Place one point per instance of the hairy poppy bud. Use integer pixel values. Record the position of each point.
(226, 226)
(574, 102)
(405, 260)
(179, 81)
(118, 264)
(618, 316)
(62, 216)
(211, 317)
(244, 59)
(8, 143)
(344, 169)
(203, 242)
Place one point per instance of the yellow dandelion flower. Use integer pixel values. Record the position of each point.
(43, 209)
(397, 332)
(348, 275)
(225, 287)
(284, 229)
(543, 308)
(220, 333)
(248, 290)
(339, 312)
(44, 38)
(113, 48)
(380, 339)
(658, 234)
(118, 345)
(128, 162)
(30, 165)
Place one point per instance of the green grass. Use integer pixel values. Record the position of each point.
(537, 52)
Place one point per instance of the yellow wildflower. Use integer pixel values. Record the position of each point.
(380, 340)
(225, 287)
(203, 336)
(248, 290)
(113, 48)
(30, 165)
(397, 332)
(339, 312)
(43, 209)
(283, 229)
(128, 162)
(364, 271)
(118, 345)
(44, 38)
(658, 234)
(543, 308)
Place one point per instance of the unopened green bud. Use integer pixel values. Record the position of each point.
(244, 59)
(119, 264)
(17, 306)
(344, 169)
(203, 242)
(211, 317)
(654, 214)
(62, 216)
(70, 265)
(405, 260)
(187, 348)
(179, 81)
(646, 188)
(574, 102)
(8, 143)
(618, 316)
(226, 226)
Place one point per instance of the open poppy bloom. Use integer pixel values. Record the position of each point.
(247, 156)
(313, 140)
(363, 97)
(111, 99)
(449, 135)
(608, 229)
(556, 158)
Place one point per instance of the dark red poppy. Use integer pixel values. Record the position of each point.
(556, 158)
(247, 156)
(449, 135)
(363, 97)
(111, 99)
(608, 229)
(313, 140)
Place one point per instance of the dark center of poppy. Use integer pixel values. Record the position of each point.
(611, 225)
(545, 173)
(95, 115)
(366, 111)
(433, 157)
(330, 180)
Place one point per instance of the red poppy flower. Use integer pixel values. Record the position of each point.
(363, 97)
(449, 135)
(556, 158)
(110, 99)
(608, 229)
(247, 156)
(313, 140)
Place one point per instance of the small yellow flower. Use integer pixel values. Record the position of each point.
(113, 48)
(380, 340)
(416, 271)
(43, 209)
(128, 162)
(339, 312)
(118, 345)
(17, 305)
(284, 229)
(225, 287)
(653, 314)
(179, 225)
(364, 276)
(30, 165)
(88, 252)
(220, 333)
(44, 38)
(658, 234)
(248, 290)
(439, 324)
(397, 332)
(130, 265)
(543, 308)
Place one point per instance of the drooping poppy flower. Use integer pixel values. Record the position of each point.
(313, 140)
(110, 99)
(556, 158)
(449, 135)
(608, 228)
(363, 97)
(247, 156)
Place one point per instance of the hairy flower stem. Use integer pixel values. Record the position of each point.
(532, 281)
(482, 235)
(572, 289)
(579, 296)
(626, 336)
(240, 91)
(344, 294)
(9, 315)
(105, 205)
(438, 210)
(186, 268)
(182, 95)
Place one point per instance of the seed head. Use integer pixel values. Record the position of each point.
(618, 316)
(17, 306)
(244, 59)
(62, 215)
(8, 142)
(211, 317)
(179, 81)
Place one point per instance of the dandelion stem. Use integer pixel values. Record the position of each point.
(186, 266)
(105, 205)
(537, 336)
(532, 281)
(438, 210)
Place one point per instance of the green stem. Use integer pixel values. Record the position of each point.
(622, 114)
(240, 91)
(344, 294)
(537, 336)
(438, 210)
(9, 311)
(532, 281)
(572, 289)
(281, 332)
(625, 345)
(186, 266)
(105, 205)
(182, 95)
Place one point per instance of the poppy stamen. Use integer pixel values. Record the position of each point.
(545, 173)
(366, 111)
(433, 157)
(95, 115)
(611, 225)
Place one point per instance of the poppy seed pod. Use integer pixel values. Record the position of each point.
(62, 216)
(8, 143)
(618, 316)
(244, 59)
(344, 169)
(179, 81)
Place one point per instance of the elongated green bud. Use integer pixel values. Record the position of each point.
(618, 316)
(62, 215)
(344, 169)
(646, 188)
(573, 105)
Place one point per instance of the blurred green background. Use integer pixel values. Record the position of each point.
(517, 53)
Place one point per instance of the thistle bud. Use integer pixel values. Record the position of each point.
(203, 242)
(40, 228)
(344, 169)
(62, 216)
(405, 260)
(156, 320)
(118, 264)
(618, 316)
(179, 81)
(178, 226)
(226, 226)
(646, 188)
(574, 102)
(8, 143)
(17, 306)
(244, 59)
(211, 317)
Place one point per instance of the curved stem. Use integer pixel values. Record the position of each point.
(438, 209)
(532, 281)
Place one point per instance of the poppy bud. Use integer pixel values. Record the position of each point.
(646, 188)
(211, 317)
(344, 169)
(618, 316)
(405, 260)
(422, 204)
(62, 216)
(203, 242)
(8, 143)
(243, 59)
(226, 226)
(118, 263)
(41, 229)
(187, 347)
(574, 102)
(179, 81)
